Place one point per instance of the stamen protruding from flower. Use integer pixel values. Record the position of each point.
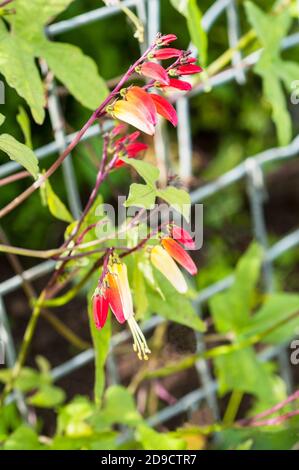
(139, 345)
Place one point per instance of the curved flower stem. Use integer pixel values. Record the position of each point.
(98, 113)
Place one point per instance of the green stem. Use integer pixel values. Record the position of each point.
(232, 407)
(24, 348)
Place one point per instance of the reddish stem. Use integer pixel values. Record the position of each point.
(253, 420)
(12, 178)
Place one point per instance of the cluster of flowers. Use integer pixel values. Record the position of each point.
(114, 291)
(140, 106)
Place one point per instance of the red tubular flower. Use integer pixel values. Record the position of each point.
(120, 300)
(182, 236)
(188, 69)
(166, 39)
(190, 60)
(165, 109)
(134, 149)
(154, 71)
(131, 151)
(179, 254)
(166, 53)
(100, 310)
(176, 84)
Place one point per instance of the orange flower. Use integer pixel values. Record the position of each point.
(114, 298)
(115, 293)
(119, 272)
(179, 254)
(130, 113)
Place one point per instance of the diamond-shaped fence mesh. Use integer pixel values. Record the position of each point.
(251, 170)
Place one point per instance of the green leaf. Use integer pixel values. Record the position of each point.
(42, 10)
(242, 371)
(141, 195)
(176, 307)
(2, 119)
(274, 94)
(270, 30)
(72, 418)
(231, 309)
(278, 307)
(24, 123)
(47, 396)
(197, 33)
(19, 153)
(9, 419)
(74, 69)
(288, 72)
(56, 206)
(147, 171)
(178, 199)
(27, 41)
(193, 15)
(119, 407)
(153, 440)
(146, 267)
(17, 64)
(101, 343)
(23, 438)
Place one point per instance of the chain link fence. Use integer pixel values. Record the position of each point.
(251, 171)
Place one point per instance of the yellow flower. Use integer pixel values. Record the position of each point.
(165, 264)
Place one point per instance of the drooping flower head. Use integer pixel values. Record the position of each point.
(114, 292)
(140, 109)
(139, 106)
